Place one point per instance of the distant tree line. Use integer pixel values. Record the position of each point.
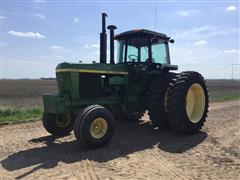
(42, 78)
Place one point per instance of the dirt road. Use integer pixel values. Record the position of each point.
(137, 151)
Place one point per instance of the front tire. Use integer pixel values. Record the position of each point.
(58, 125)
(93, 126)
(187, 102)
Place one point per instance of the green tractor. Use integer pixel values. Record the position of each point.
(92, 96)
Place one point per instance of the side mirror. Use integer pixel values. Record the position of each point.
(171, 41)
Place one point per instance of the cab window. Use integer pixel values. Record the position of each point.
(159, 53)
(132, 54)
(137, 50)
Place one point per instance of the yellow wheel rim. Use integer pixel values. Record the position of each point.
(195, 103)
(98, 128)
(63, 121)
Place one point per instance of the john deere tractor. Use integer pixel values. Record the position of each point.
(92, 96)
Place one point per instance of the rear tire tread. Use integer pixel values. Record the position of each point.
(176, 102)
(155, 101)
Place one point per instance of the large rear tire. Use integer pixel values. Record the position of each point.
(156, 102)
(93, 126)
(58, 125)
(187, 102)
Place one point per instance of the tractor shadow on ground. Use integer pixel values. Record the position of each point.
(128, 138)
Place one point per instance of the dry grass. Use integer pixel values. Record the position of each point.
(25, 93)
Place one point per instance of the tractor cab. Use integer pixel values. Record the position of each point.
(142, 46)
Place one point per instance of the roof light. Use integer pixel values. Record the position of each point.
(137, 30)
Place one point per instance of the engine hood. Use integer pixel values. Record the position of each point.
(96, 68)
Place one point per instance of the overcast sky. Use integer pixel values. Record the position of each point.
(37, 35)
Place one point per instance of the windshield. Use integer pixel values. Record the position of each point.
(137, 50)
(133, 50)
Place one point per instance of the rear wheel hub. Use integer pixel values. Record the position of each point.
(195, 102)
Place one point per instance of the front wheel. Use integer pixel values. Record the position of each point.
(93, 126)
(57, 124)
(187, 102)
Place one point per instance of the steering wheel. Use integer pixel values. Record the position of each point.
(133, 57)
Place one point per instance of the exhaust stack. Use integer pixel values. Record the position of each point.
(103, 41)
(112, 28)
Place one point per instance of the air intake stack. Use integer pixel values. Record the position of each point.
(103, 41)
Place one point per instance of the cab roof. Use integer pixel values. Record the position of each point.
(140, 32)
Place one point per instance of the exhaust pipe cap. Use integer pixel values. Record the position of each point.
(111, 27)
